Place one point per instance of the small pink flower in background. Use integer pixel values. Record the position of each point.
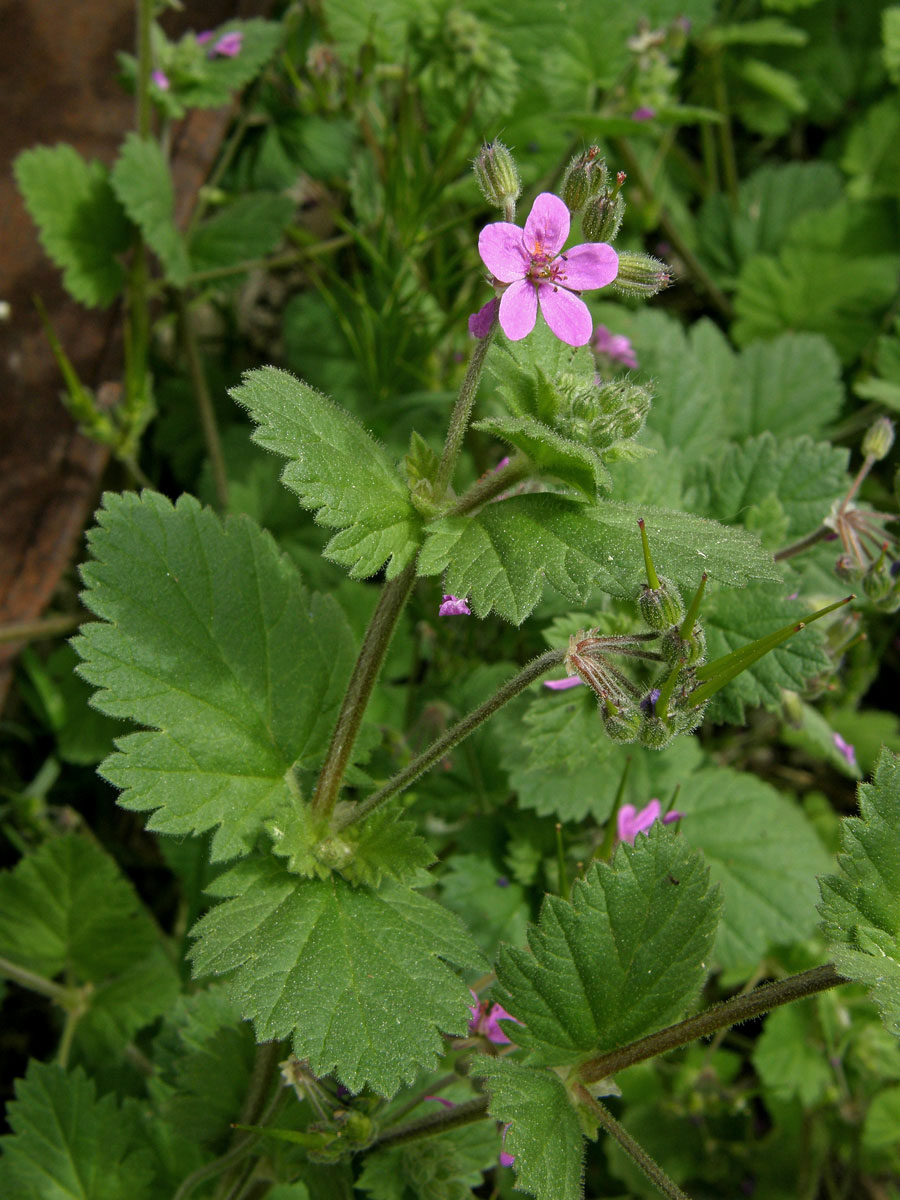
(161, 79)
(454, 606)
(506, 1160)
(632, 821)
(616, 347)
(644, 113)
(845, 749)
(228, 45)
(562, 685)
(539, 276)
(485, 1021)
(204, 37)
(480, 323)
(441, 1100)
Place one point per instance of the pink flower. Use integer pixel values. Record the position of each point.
(644, 113)
(846, 749)
(614, 346)
(632, 821)
(228, 45)
(562, 685)
(454, 606)
(486, 1021)
(537, 274)
(480, 323)
(161, 79)
(204, 37)
(506, 1160)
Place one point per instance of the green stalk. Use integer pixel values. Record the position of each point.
(721, 1016)
(605, 849)
(31, 631)
(433, 1124)
(144, 108)
(439, 748)
(365, 674)
(652, 578)
(204, 401)
(635, 1152)
(62, 995)
(459, 418)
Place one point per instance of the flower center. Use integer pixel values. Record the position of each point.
(545, 266)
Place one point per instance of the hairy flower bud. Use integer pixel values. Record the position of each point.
(497, 175)
(585, 175)
(661, 607)
(878, 439)
(685, 651)
(603, 216)
(641, 275)
(598, 415)
(622, 725)
(656, 734)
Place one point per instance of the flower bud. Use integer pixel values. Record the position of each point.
(846, 569)
(661, 607)
(497, 175)
(585, 175)
(622, 725)
(641, 275)
(878, 439)
(878, 581)
(686, 651)
(656, 734)
(603, 216)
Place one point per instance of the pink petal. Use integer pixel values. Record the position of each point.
(518, 310)
(547, 224)
(590, 265)
(674, 815)
(562, 685)
(502, 251)
(480, 323)
(567, 316)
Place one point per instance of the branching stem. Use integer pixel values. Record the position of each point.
(639, 1156)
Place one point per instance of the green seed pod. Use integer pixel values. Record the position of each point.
(656, 734)
(846, 569)
(585, 175)
(689, 651)
(878, 439)
(878, 582)
(661, 607)
(641, 275)
(603, 217)
(622, 725)
(497, 175)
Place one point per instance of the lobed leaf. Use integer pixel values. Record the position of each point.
(337, 470)
(209, 639)
(143, 184)
(861, 904)
(354, 976)
(622, 959)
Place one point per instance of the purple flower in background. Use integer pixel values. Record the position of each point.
(538, 275)
(614, 346)
(485, 1021)
(228, 45)
(845, 749)
(441, 1100)
(480, 323)
(632, 821)
(454, 606)
(506, 1160)
(161, 79)
(644, 113)
(204, 37)
(562, 685)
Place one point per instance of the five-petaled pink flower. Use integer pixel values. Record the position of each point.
(632, 821)
(228, 45)
(486, 1020)
(529, 261)
(454, 606)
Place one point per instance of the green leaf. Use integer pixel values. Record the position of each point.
(551, 453)
(208, 638)
(354, 975)
(439, 1168)
(890, 33)
(142, 181)
(544, 1132)
(66, 907)
(250, 227)
(869, 156)
(501, 557)
(861, 904)
(765, 855)
(122, 1004)
(68, 1145)
(733, 619)
(791, 1057)
(492, 908)
(81, 224)
(623, 959)
(805, 476)
(336, 469)
(223, 76)
(788, 387)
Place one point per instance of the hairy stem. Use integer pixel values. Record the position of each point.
(811, 539)
(494, 484)
(36, 983)
(720, 1016)
(453, 736)
(371, 655)
(434, 1123)
(462, 410)
(232, 1156)
(639, 1156)
(204, 401)
(143, 109)
(32, 631)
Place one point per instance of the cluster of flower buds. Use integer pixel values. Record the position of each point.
(603, 216)
(675, 702)
(597, 415)
(586, 177)
(869, 557)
